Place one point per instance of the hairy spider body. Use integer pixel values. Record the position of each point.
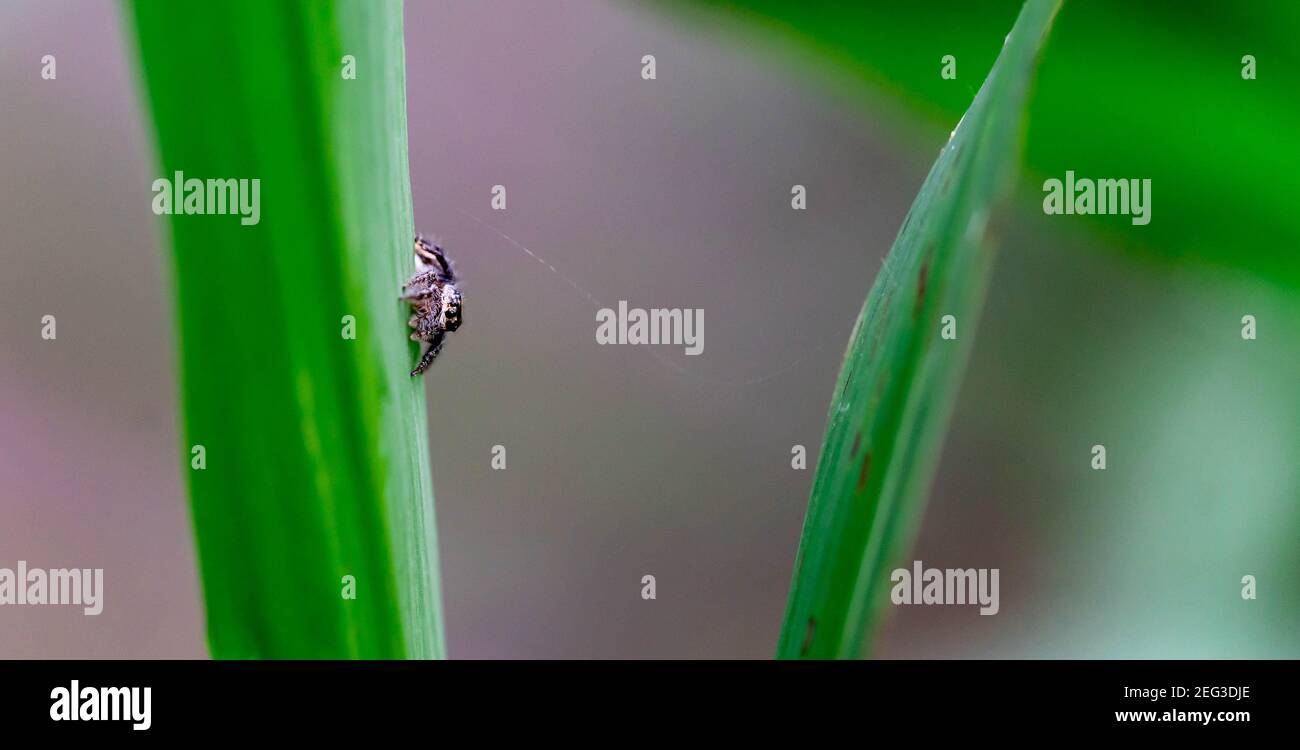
(435, 299)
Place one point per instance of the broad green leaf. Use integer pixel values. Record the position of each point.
(316, 444)
(900, 375)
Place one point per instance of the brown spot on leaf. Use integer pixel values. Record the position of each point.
(808, 636)
(857, 441)
(920, 288)
(865, 472)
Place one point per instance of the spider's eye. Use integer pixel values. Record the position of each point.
(451, 313)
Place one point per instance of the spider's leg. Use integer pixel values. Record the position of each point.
(435, 346)
(417, 292)
(420, 286)
(432, 253)
(446, 264)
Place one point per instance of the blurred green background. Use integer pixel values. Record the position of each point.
(675, 193)
(1149, 89)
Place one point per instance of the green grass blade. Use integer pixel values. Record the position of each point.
(899, 380)
(316, 444)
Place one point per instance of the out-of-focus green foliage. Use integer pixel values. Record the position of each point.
(1137, 90)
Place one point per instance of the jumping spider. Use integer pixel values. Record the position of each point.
(435, 298)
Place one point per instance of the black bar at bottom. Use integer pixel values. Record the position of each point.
(446, 700)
